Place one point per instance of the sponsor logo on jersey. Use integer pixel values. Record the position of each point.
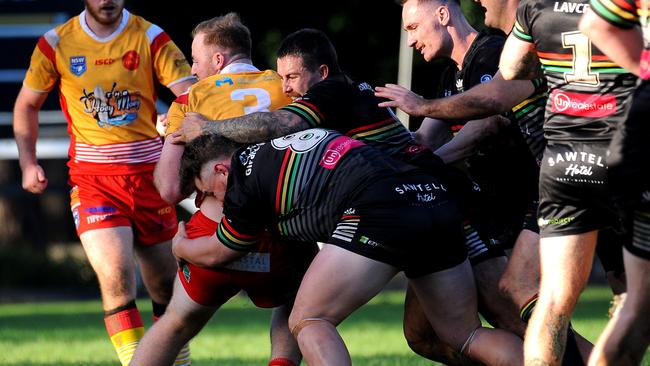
(576, 156)
(252, 262)
(131, 60)
(165, 211)
(100, 210)
(569, 7)
(583, 105)
(485, 78)
(78, 65)
(336, 150)
(364, 86)
(222, 81)
(104, 61)
(113, 108)
(247, 156)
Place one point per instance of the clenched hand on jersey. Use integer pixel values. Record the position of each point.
(191, 128)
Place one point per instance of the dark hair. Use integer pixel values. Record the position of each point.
(200, 151)
(313, 47)
(226, 31)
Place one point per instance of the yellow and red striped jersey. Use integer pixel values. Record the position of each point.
(107, 90)
(240, 90)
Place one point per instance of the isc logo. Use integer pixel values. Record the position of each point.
(104, 61)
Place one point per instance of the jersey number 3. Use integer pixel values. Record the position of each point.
(262, 97)
(581, 71)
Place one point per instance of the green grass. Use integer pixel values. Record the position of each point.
(72, 333)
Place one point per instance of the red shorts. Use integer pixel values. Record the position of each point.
(104, 201)
(270, 275)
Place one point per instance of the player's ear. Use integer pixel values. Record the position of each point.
(443, 15)
(323, 71)
(218, 60)
(221, 169)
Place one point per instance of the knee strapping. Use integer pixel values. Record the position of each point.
(464, 350)
(305, 323)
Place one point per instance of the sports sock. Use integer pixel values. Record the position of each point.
(279, 361)
(125, 328)
(571, 353)
(183, 357)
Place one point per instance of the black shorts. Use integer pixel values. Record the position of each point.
(406, 221)
(574, 196)
(629, 170)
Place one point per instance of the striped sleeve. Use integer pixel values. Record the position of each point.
(234, 239)
(307, 111)
(42, 74)
(169, 63)
(621, 13)
(521, 29)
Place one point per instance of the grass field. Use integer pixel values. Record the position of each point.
(72, 333)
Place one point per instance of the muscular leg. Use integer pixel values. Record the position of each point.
(158, 268)
(450, 302)
(498, 310)
(421, 337)
(351, 280)
(627, 335)
(520, 281)
(565, 266)
(283, 344)
(110, 253)
(183, 319)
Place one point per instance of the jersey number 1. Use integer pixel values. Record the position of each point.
(581, 72)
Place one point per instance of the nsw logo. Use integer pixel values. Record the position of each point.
(78, 65)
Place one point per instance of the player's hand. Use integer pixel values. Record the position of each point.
(178, 241)
(161, 123)
(191, 128)
(401, 98)
(34, 179)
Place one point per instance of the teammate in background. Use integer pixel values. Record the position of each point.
(355, 217)
(229, 85)
(588, 97)
(521, 277)
(438, 29)
(613, 27)
(106, 62)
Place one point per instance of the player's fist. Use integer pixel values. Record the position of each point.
(34, 179)
(191, 128)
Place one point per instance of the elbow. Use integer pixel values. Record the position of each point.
(170, 193)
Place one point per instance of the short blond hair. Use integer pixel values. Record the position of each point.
(226, 31)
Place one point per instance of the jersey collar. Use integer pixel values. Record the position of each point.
(238, 67)
(86, 28)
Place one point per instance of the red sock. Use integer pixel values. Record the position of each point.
(279, 361)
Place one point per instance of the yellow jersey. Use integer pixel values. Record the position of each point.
(107, 89)
(238, 90)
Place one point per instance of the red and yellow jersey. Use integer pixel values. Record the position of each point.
(242, 90)
(108, 90)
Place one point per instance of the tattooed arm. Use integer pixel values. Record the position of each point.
(483, 100)
(251, 128)
(519, 60)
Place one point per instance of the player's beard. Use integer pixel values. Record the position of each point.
(106, 14)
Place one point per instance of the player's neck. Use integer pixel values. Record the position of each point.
(461, 43)
(102, 30)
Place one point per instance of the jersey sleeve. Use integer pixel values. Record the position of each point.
(242, 225)
(621, 13)
(522, 28)
(176, 113)
(317, 105)
(42, 74)
(169, 63)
